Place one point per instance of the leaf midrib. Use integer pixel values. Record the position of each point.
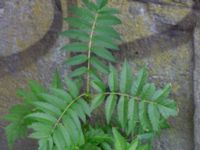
(65, 110)
(89, 52)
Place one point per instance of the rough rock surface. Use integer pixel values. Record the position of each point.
(197, 86)
(158, 33)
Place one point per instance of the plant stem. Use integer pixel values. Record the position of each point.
(66, 109)
(89, 53)
(130, 96)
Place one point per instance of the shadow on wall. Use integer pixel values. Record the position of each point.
(171, 38)
(33, 53)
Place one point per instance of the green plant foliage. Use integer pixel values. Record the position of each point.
(61, 116)
(18, 126)
(120, 143)
(96, 139)
(138, 103)
(93, 32)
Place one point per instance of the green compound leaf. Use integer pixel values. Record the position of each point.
(140, 82)
(76, 60)
(122, 109)
(154, 116)
(97, 101)
(76, 47)
(125, 78)
(120, 142)
(110, 106)
(133, 115)
(103, 53)
(113, 79)
(78, 72)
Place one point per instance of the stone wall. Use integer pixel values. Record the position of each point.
(163, 34)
